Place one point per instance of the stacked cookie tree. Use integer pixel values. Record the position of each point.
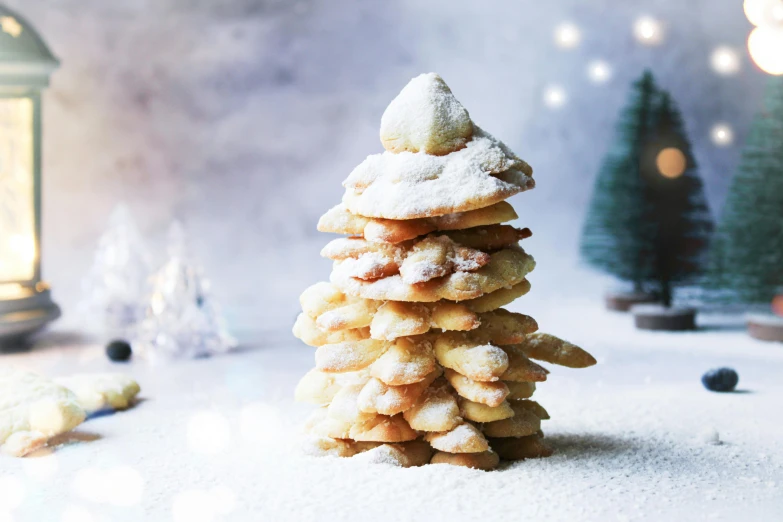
(416, 359)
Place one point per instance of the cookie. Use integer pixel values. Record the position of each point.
(406, 361)
(477, 412)
(415, 261)
(506, 268)
(425, 117)
(101, 391)
(341, 318)
(416, 358)
(524, 422)
(548, 348)
(306, 329)
(489, 393)
(349, 356)
(402, 454)
(382, 428)
(498, 298)
(317, 388)
(417, 185)
(34, 409)
(518, 390)
(378, 397)
(490, 237)
(486, 460)
(520, 448)
(340, 220)
(479, 362)
(435, 410)
(520, 368)
(465, 438)
(501, 327)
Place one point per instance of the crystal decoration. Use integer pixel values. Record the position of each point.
(117, 281)
(181, 320)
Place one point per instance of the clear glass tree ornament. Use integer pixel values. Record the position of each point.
(181, 321)
(117, 280)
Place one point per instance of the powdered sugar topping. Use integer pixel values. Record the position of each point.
(425, 117)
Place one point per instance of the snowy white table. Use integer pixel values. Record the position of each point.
(216, 439)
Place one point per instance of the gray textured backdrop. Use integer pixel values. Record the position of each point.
(242, 117)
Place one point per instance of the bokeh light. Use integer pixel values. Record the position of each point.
(555, 96)
(754, 11)
(777, 305)
(121, 486)
(224, 500)
(599, 71)
(725, 61)
(260, 422)
(648, 30)
(567, 35)
(671, 162)
(208, 432)
(74, 513)
(766, 48)
(721, 134)
(12, 492)
(126, 486)
(764, 13)
(89, 484)
(203, 505)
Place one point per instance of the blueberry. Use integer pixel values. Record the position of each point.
(720, 380)
(118, 350)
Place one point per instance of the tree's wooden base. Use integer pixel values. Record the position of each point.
(658, 317)
(623, 301)
(766, 327)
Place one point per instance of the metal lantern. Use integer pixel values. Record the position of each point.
(25, 67)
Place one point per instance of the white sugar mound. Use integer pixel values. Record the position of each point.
(425, 117)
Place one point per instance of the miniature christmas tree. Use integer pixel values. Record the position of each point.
(618, 236)
(181, 320)
(746, 261)
(416, 359)
(648, 222)
(678, 207)
(116, 282)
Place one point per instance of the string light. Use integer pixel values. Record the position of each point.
(567, 35)
(599, 71)
(725, 61)
(766, 48)
(555, 96)
(671, 162)
(764, 13)
(722, 135)
(648, 30)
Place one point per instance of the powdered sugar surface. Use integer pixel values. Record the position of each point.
(625, 434)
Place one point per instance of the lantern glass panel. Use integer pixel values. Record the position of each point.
(18, 252)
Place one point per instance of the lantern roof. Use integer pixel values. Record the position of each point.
(25, 60)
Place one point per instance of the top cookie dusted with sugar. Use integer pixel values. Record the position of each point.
(437, 161)
(425, 117)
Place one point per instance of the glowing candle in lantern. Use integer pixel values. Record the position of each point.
(25, 67)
